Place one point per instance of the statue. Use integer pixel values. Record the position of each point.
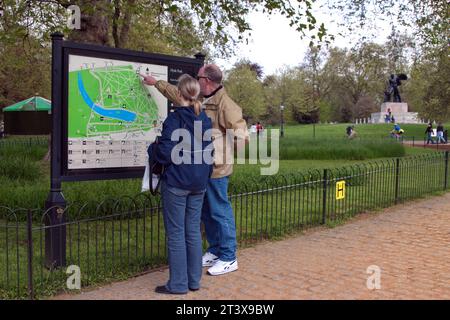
(393, 83)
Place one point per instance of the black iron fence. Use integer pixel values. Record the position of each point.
(118, 238)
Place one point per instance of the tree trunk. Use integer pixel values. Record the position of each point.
(95, 17)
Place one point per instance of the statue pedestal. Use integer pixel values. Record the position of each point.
(399, 111)
(396, 107)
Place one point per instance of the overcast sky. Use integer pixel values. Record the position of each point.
(274, 43)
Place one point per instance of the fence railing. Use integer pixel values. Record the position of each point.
(118, 238)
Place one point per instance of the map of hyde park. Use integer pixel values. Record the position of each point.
(112, 114)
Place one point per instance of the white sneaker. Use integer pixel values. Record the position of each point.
(222, 267)
(209, 259)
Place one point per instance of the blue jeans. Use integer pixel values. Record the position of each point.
(182, 211)
(440, 137)
(217, 216)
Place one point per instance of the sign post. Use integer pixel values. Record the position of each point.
(55, 237)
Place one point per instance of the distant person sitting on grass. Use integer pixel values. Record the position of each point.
(351, 133)
(349, 130)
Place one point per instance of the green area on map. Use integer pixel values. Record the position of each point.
(114, 87)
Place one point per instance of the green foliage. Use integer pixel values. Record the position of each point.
(429, 19)
(246, 90)
(287, 88)
(342, 85)
(24, 71)
(220, 24)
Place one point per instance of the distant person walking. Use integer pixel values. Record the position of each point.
(429, 133)
(351, 133)
(440, 133)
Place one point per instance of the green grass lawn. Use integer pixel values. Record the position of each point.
(25, 178)
(372, 131)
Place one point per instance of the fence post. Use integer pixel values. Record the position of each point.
(446, 171)
(55, 237)
(30, 254)
(397, 179)
(413, 141)
(324, 196)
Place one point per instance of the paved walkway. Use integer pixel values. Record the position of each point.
(409, 243)
(422, 144)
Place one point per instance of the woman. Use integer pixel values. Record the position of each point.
(183, 186)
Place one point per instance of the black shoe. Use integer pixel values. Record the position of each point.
(164, 290)
(192, 289)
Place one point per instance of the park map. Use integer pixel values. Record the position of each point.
(111, 113)
(109, 100)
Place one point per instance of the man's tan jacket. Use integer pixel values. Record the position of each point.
(225, 114)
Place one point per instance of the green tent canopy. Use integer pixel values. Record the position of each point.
(31, 104)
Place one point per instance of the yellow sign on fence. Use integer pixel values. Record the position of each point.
(340, 190)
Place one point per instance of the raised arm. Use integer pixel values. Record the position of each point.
(168, 90)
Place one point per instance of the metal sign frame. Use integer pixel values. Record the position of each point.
(60, 84)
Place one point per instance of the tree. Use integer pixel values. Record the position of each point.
(289, 88)
(315, 79)
(400, 50)
(246, 90)
(253, 66)
(219, 23)
(23, 71)
(272, 100)
(429, 18)
(429, 88)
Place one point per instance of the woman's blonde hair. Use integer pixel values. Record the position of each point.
(190, 89)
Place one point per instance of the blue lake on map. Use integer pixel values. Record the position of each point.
(118, 114)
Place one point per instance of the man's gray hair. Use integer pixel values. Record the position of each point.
(213, 73)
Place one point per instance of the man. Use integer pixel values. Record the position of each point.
(440, 133)
(217, 213)
(429, 133)
(259, 128)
